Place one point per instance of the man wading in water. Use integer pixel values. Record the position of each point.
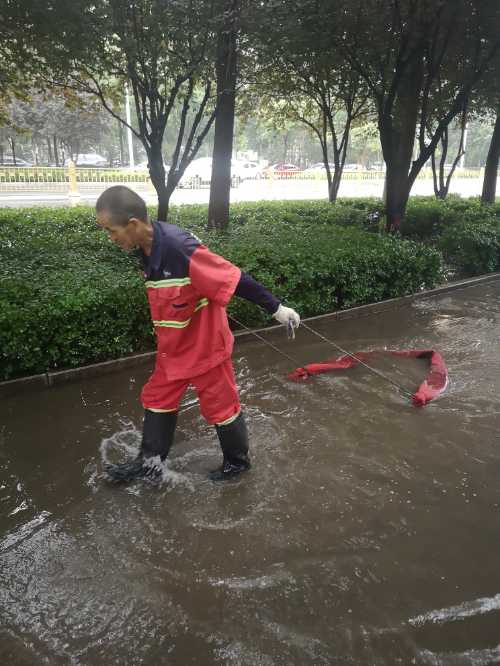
(188, 289)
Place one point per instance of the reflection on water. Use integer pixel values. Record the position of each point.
(366, 532)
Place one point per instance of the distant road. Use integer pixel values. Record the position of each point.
(250, 190)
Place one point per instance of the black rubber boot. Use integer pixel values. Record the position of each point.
(233, 440)
(157, 438)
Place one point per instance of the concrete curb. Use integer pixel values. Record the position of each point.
(49, 379)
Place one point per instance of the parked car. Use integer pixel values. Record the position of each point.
(91, 160)
(281, 170)
(352, 167)
(143, 166)
(199, 173)
(318, 169)
(9, 161)
(247, 170)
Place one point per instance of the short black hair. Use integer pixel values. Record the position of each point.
(122, 203)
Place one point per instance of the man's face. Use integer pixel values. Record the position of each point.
(123, 236)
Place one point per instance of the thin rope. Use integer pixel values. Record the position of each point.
(330, 342)
(269, 344)
(356, 358)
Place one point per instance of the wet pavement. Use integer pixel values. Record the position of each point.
(367, 532)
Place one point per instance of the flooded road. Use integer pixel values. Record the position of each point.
(367, 532)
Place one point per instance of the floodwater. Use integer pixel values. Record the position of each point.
(367, 532)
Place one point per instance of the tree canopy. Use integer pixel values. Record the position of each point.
(164, 50)
(415, 67)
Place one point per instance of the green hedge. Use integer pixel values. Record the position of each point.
(471, 247)
(70, 297)
(318, 270)
(427, 217)
(464, 231)
(269, 213)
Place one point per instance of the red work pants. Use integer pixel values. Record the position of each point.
(216, 389)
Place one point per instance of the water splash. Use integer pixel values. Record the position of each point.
(125, 444)
(453, 613)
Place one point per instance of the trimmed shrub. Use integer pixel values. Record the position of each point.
(423, 219)
(70, 297)
(326, 269)
(472, 248)
(427, 217)
(268, 213)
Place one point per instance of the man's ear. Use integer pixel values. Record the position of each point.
(136, 223)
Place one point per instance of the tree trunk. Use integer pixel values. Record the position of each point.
(220, 185)
(397, 127)
(339, 153)
(491, 169)
(120, 137)
(286, 138)
(331, 179)
(442, 182)
(438, 173)
(56, 152)
(333, 189)
(75, 150)
(13, 149)
(157, 174)
(49, 150)
(397, 193)
(397, 154)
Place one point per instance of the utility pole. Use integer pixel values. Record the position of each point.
(129, 131)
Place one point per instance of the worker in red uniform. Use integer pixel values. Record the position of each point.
(188, 289)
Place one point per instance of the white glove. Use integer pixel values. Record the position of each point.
(288, 317)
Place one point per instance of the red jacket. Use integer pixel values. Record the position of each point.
(188, 290)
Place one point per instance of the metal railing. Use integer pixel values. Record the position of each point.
(37, 174)
(72, 180)
(371, 174)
